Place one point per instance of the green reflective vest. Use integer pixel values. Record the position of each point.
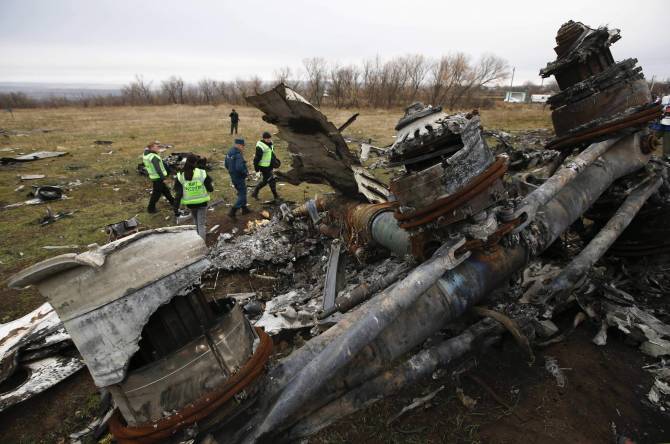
(153, 174)
(194, 189)
(266, 160)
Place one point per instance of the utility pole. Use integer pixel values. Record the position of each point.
(511, 83)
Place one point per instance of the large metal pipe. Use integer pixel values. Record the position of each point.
(562, 177)
(321, 358)
(420, 366)
(386, 232)
(570, 275)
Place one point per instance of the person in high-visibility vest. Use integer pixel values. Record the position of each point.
(265, 161)
(157, 173)
(237, 168)
(192, 189)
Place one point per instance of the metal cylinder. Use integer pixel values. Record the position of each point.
(386, 232)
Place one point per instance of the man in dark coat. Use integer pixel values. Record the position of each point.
(234, 120)
(237, 168)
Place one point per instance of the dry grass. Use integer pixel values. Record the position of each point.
(112, 191)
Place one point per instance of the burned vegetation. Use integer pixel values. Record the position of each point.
(376, 286)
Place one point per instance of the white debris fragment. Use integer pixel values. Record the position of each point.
(289, 311)
(551, 365)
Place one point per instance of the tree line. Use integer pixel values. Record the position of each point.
(453, 81)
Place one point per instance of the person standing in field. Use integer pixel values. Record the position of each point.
(265, 161)
(192, 189)
(234, 120)
(157, 173)
(237, 168)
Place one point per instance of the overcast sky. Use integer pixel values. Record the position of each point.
(109, 41)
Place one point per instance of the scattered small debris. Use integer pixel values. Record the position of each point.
(551, 365)
(32, 176)
(103, 142)
(122, 229)
(52, 217)
(468, 402)
(32, 156)
(416, 402)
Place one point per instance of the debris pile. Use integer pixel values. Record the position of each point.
(382, 286)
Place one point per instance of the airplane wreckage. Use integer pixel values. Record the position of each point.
(457, 223)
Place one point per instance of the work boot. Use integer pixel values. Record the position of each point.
(152, 210)
(232, 212)
(255, 192)
(245, 210)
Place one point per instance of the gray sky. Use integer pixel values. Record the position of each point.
(109, 41)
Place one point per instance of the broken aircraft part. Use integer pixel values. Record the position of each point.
(136, 315)
(319, 153)
(122, 229)
(41, 375)
(32, 156)
(599, 98)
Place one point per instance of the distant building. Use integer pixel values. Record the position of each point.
(539, 98)
(515, 96)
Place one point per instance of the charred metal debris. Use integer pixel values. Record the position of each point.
(375, 286)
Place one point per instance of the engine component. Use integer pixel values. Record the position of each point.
(599, 97)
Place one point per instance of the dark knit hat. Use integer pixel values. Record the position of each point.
(266, 135)
(239, 141)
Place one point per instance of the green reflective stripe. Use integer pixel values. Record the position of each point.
(194, 189)
(151, 170)
(266, 160)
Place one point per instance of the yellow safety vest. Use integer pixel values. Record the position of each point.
(194, 189)
(153, 174)
(266, 160)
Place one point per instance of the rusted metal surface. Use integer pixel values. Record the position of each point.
(441, 176)
(319, 153)
(449, 206)
(624, 123)
(188, 372)
(598, 96)
(199, 409)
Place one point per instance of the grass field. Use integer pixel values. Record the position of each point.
(103, 187)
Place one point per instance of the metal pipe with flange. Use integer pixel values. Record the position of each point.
(540, 196)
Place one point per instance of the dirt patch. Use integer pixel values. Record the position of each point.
(52, 415)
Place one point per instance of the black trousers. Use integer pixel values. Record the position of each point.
(159, 188)
(233, 126)
(268, 179)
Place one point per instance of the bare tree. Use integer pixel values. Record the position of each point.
(416, 66)
(173, 90)
(283, 75)
(316, 69)
(489, 69)
(138, 92)
(207, 90)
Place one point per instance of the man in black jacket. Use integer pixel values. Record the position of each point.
(264, 161)
(234, 120)
(237, 168)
